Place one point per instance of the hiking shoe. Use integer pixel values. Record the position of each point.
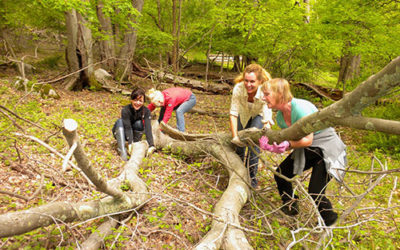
(290, 208)
(254, 183)
(330, 218)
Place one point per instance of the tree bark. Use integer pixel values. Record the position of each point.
(124, 66)
(24, 221)
(236, 63)
(195, 84)
(227, 209)
(175, 39)
(107, 51)
(307, 9)
(349, 69)
(72, 49)
(79, 52)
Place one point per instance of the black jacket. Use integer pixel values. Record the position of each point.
(129, 116)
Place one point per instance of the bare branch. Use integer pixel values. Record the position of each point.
(70, 134)
(19, 117)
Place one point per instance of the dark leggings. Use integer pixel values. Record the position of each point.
(318, 181)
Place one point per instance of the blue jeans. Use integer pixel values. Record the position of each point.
(251, 159)
(180, 111)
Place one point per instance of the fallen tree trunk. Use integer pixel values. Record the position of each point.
(194, 84)
(329, 93)
(225, 226)
(221, 88)
(63, 212)
(209, 113)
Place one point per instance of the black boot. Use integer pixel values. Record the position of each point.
(253, 174)
(326, 211)
(290, 207)
(119, 134)
(329, 217)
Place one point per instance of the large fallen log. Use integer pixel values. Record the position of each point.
(194, 84)
(56, 212)
(225, 229)
(221, 88)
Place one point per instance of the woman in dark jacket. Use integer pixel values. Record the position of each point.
(135, 119)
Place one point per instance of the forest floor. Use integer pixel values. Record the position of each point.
(184, 189)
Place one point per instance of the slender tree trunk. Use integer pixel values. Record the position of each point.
(222, 63)
(161, 27)
(107, 44)
(208, 56)
(86, 47)
(178, 36)
(71, 53)
(174, 36)
(349, 69)
(79, 52)
(124, 66)
(307, 7)
(236, 63)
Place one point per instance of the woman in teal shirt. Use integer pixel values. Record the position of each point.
(323, 151)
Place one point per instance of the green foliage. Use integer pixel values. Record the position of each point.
(14, 14)
(125, 186)
(50, 62)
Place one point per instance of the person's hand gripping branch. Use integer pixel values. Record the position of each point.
(275, 148)
(150, 150)
(235, 140)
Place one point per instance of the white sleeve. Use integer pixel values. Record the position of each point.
(235, 101)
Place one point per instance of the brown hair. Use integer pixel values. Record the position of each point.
(261, 74)
(279, 86)
(136, 92)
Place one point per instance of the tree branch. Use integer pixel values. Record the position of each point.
(70, 134)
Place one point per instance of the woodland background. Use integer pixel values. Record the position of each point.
(59, 45)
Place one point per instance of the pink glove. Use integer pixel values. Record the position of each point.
(281, 147)
(264, 144)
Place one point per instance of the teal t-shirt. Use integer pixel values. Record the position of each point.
(300, 108)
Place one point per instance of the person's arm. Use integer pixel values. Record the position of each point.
(151, 107)
(169, 104)
(234, 125)
(234, 111)
(147, 127)
(234, 130)
(304, 142)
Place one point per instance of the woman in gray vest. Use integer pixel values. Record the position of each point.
(323, 151)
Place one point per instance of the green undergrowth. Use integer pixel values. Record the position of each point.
(180, 183)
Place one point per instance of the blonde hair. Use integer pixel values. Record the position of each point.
(279, 86)
(261, 74)
(155, 96)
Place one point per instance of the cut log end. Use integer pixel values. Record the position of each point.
(70, 125)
